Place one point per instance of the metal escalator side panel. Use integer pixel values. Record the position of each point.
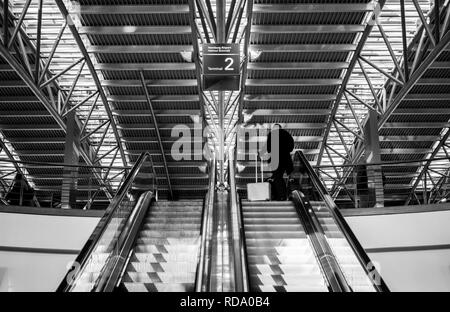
(351, 267)
(330, 267)
(204, 257)
(241, 275)
(348, 238)
(106, 241)
(112, 274)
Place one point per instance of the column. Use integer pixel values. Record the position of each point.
(372, 173)
(71, 157)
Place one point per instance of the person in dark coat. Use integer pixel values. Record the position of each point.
(284, 164)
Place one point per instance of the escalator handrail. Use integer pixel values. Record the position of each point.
(325, 256)
(101, 227)
(114, 270)
(357, 248)
(240, 254)
(203, 267)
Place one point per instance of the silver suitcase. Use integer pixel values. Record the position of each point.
(259, 191)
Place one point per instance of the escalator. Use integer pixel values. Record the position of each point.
(142, 244)
(303, 244)
(164, 258)
(279, 255)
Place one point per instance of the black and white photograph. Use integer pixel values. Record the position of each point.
(225, 154)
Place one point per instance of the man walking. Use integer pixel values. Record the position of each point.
(282, 141)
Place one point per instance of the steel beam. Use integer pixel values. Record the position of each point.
(133, 30)
(130, 9)
(316, 8)
(348, 74)
(89, 63)
(415, 77)
(307, 29)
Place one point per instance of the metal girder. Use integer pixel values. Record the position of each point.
(408, 138)
(415, 77)
(208, 16)
(146, 126)
(299, 48)
(286, 112)
(306, 29)
(145, 66)
(134, 30)
(245, 68)
(130, 9)
(32, 84)
(289, 97)
(196, 56)
(348, 74)
(89, 63)
(316, 8)
(155, 124)
(11, 157)
(297, 66)
(155, 98)
(297, 139)
(139, 49)
(151, 84)
(426, 167)
(292, 82)
(412, 125)
(159, 113)
(290, 126)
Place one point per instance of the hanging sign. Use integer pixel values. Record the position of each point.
(221, 67)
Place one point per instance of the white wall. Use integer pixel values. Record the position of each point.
(32, 272)
(427, 270)
(52, 232)
(402, 230)
(422, 271)
(40, 271)
(407, 269)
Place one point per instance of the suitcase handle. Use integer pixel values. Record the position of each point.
(256, 168)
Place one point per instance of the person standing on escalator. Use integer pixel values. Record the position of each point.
(283, 143)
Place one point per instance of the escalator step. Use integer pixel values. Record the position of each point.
(284, 269)
(252, 251)
(279, 253)
(273, 228)
(281, 259)
(274, 235)
(168, 241)
(172, 227)
(152, 287)
(161, 267)
(298, 288)
(166, 251)
(275, 242)
(271, 221)
(158, 234)
(171, 219)
(271, 215)
(159, 277)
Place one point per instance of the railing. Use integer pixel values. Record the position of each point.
(238, 234)
(42, 184)
(98, 263)
(204, 259)
(388, 184)
(301, 162)
(322, 250)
